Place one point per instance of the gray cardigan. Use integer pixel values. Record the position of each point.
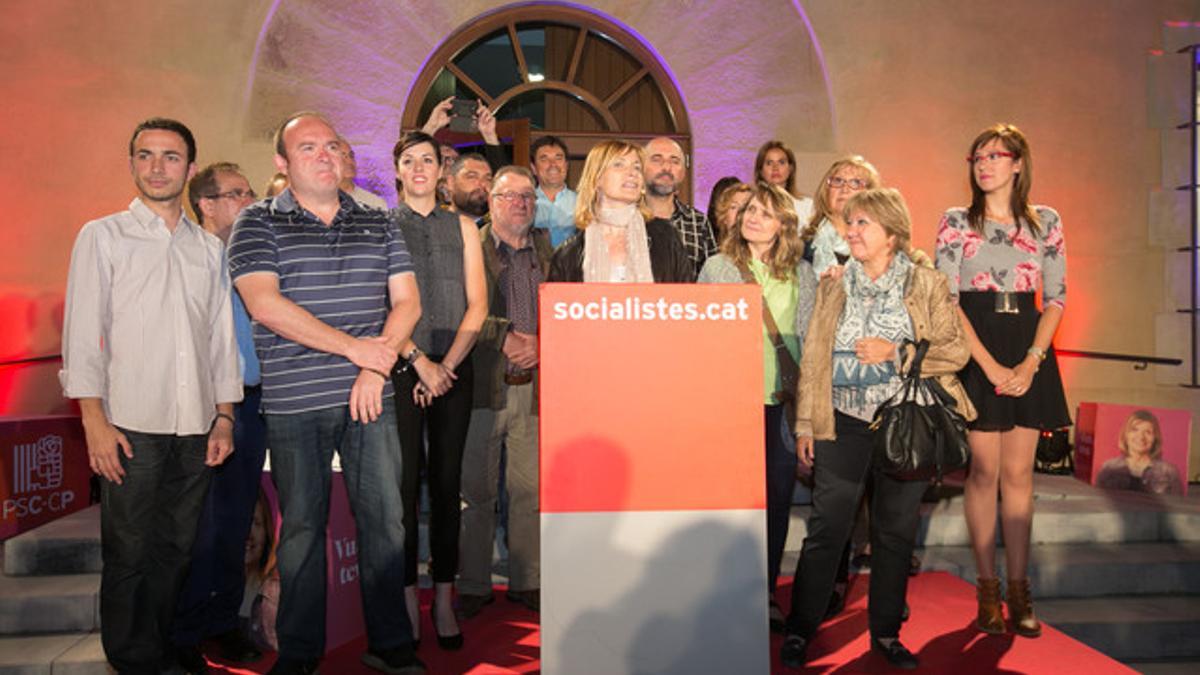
(720, 269)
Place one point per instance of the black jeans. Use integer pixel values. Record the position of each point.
(781, 484)
(444, 423)
(147, 526)
(840, 472)
(215, 585)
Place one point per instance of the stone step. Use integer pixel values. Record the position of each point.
(1166, 667)
(1055, 521)
(49, 604)
(69, 654)
(1130, 627)
(69, 545)
(1090, 570)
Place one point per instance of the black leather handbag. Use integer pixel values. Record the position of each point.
(919, 434)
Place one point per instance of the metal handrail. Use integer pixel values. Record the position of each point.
(1140, 362)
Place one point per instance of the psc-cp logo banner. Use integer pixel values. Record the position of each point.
(44, 462)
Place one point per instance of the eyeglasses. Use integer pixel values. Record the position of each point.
(512, 197)
(837, 182)
(990, 157)
(234, 194)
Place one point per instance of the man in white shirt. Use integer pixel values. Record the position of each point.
(149, 352)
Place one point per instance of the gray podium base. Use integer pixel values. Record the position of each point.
(654, 592)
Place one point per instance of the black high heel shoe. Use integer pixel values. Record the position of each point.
(448, 642)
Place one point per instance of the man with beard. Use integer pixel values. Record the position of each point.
(665, 168)
(470, 182)
(149, 352)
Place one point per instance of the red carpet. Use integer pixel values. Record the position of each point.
(504, 639)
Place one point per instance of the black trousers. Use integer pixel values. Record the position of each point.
(840, 473)
(781, 484)
(147, 526)
(444, 424)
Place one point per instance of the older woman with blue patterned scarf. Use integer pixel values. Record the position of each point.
(851, 363)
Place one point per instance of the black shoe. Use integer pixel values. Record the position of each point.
(237, 648)
(794, 652)
(470, 605)
(531, 599)
(775, 618)
(896, 654)
(191, 660)
(286, 666)
(398, 661)
(448, 642)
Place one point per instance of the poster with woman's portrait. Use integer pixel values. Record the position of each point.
(1125, 447)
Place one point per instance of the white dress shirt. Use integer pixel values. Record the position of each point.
(148, 325)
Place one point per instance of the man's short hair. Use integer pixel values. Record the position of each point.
(204, 184)
(543, 142)
(167, 124)
(463, 159)
(280, 149)
(513, 168)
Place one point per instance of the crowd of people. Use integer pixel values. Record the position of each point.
(315, 321)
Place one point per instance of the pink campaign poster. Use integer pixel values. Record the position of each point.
(1129, 447)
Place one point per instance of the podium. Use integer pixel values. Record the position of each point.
(652, 479)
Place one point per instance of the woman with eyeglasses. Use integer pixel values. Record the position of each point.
(763, 247)
(825, 232)
(996, 253)
(433, 380)
(775, 165)
(618, 241)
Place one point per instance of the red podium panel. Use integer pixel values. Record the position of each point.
(647, 393)
(45, 471)
(652, 479)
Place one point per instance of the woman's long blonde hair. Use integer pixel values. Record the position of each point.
(599, 157)
(787, 250)
(821, 208)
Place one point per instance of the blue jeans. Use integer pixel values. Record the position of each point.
(215, 585)
(302, 447)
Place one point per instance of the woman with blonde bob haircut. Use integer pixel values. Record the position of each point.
(1140, 466)
(825, 232)
(618, 241)
(764, 247)
(852, 362)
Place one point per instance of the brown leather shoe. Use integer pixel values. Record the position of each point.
(470, 605)
(531, 599)
(991, 617)
(1020, 609)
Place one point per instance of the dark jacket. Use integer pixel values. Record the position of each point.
(669, 261)
(488, 355)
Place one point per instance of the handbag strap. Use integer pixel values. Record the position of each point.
(914, 368)
(781, 351)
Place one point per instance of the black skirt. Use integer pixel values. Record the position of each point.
(1007, 337)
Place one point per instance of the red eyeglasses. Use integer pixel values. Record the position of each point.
(990, 157)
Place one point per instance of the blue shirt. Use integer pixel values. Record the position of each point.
(339, 273)
(247, 359)
(557, 216)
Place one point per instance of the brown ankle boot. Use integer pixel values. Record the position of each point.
(991, 618)
(1020, 609)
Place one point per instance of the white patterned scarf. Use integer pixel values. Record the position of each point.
(596, 264)
(873, 309)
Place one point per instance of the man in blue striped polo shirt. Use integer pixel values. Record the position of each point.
(331, 289)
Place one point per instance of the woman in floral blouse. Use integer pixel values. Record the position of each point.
(996, 253)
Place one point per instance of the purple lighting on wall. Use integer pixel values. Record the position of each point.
(812, 35)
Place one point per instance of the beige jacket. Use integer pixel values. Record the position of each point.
(935, 318)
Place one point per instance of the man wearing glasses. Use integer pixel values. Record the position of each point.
(212, 595)
(516, 259)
